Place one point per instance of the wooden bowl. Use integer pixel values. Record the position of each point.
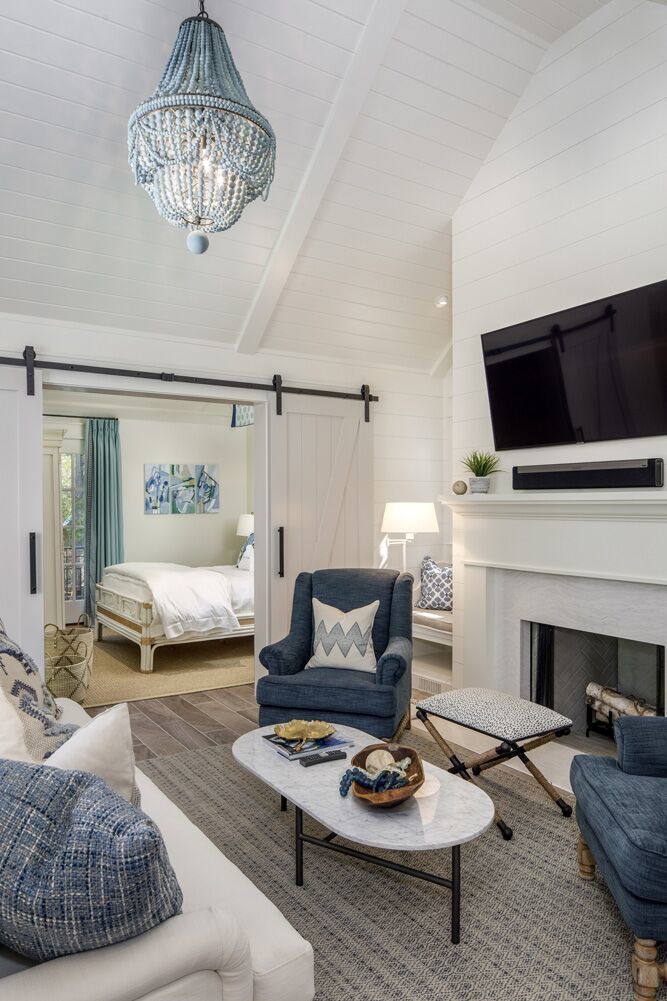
(392, 797)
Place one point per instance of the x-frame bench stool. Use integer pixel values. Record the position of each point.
(519, 726)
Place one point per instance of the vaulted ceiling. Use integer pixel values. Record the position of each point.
(383, 113)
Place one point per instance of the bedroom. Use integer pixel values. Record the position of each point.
(156, 546)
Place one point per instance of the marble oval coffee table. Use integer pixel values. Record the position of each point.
(444, 813)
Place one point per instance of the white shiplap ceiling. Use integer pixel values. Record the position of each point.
(352, 248)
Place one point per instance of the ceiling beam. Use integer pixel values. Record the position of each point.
(364, 64)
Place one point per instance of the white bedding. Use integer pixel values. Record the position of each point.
(186, 599)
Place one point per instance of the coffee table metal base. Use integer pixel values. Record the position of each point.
(453, 884)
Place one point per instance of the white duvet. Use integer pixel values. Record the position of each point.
(187, 599)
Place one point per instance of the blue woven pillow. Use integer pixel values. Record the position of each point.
(80, 867)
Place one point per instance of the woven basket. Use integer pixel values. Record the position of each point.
(67, 675)
(76, 640)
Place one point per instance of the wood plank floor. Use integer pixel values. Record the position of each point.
(177, 723)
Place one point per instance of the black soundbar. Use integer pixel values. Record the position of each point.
(590, 475)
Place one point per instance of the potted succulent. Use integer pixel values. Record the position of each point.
(481, 465)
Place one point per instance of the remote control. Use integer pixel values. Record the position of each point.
(320, 757)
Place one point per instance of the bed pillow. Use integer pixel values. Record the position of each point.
(103, 747)
(437, 588)
(343, 639)
(248, 544)
(31, 700)
(247, 561)
(80, 868)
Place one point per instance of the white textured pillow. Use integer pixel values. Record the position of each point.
(12, 736)
(103, 747)
(343, 639)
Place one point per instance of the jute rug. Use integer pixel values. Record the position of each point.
(178, 670)
(531, 929)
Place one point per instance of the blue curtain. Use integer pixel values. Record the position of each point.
(104, 503)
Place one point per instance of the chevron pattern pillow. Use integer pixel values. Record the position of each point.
(80, 867)
(437, 590)
(343, 639)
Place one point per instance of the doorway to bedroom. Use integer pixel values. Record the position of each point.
(149, 539)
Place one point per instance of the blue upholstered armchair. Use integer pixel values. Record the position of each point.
(622, 817)
(375, 702)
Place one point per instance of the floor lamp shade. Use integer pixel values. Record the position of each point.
(410, 518)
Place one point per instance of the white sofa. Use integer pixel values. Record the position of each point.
(229, 944)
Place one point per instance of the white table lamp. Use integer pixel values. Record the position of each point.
(245, 525)
(409, 519)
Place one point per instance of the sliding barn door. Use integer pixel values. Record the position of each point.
(21, 595)
(321, 495)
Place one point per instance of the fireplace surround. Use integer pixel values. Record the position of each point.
(584, 562)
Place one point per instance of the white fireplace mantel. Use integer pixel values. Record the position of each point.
(585, 561)
(621, 506)
(616, 536)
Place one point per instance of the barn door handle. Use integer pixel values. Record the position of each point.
(281, 552)
(33, 562)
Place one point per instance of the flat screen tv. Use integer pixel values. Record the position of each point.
(596, 372)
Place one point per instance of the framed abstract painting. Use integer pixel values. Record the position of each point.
(208, 489)
(156, 488)
(183, 488)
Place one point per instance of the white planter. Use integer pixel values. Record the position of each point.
(479, 484)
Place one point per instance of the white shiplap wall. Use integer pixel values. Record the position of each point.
(570, 206)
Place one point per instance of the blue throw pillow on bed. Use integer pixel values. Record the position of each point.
(80, 867)
(250, 541)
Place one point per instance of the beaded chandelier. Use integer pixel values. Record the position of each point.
(198, 145)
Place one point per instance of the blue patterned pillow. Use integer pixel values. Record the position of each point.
(250, 541)
(80, 867)
(437, 590)
(36, 707)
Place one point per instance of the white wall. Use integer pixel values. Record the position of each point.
(570, 206)
(193, 539)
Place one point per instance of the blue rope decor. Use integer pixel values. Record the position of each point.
(198, 145)
(393, 777)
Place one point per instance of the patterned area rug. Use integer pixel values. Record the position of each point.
(178, 670)
(531, 929)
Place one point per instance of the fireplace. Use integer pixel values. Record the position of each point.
(593, 677)
(593, 561)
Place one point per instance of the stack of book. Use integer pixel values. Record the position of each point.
(293, 749)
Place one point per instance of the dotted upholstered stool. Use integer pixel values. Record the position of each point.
(519, 725)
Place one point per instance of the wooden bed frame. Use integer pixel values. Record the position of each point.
(133, 619)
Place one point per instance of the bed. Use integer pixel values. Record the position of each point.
(159, 604)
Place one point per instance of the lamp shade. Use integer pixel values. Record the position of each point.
(245, 525)
(410, 517)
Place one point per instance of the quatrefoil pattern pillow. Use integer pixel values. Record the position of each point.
(437, 588)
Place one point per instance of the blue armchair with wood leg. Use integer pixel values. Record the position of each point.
(622, 817)
(377, 702)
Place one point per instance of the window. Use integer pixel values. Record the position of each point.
(73, 501)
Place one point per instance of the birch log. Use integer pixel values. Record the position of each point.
(607, 700)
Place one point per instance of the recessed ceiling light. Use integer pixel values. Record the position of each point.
(442, 301)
